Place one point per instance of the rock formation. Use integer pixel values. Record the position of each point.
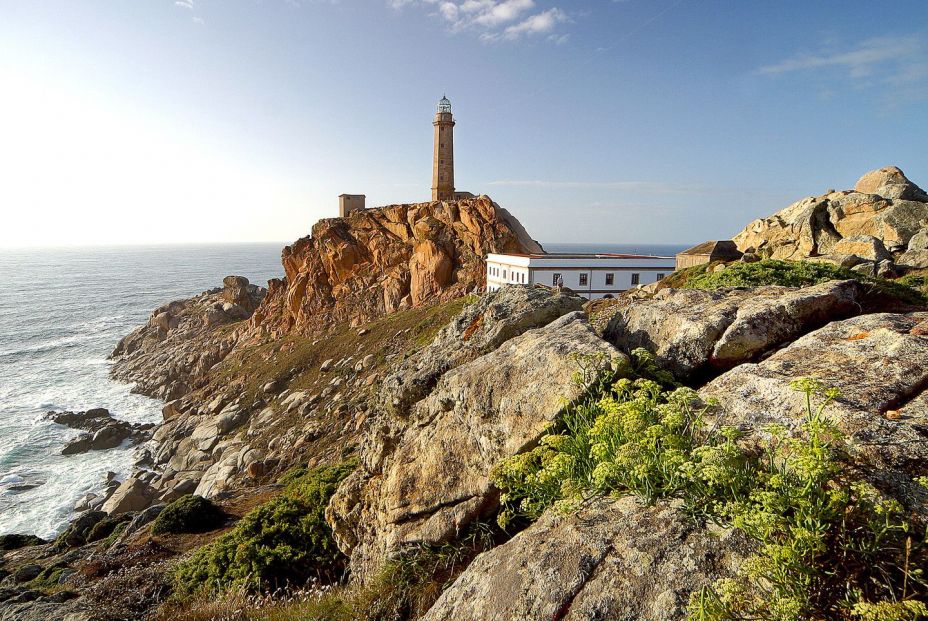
(184, 339)
(102, 431)
(695, 332)
(613, 559)
(872, 226)
(376, 261)
(426, 476)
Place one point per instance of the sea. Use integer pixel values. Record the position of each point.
(62, 311)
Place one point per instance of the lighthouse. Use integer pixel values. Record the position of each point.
(443, 157)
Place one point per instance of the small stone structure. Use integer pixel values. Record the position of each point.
(707, 252)
(350, 202)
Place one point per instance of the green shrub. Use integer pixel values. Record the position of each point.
(284, 541)
(188, 514)
(107, 526)
(405, 588)
(828, 545)
(797, 274)
(48, 579)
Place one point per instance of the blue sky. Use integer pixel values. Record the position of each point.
(634, 121)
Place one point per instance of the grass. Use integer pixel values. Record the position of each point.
(792, 274)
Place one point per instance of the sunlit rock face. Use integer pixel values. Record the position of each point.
(376, 261)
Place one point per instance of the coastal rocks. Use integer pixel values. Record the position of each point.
(884, 206)
(133, 494)
(373, 262)
(15, 541)
(695, 332)
(104, 432)
(77, 531)
(423, 480)
(878, 362)
(611, 560)
(168, 357)
(482, 327)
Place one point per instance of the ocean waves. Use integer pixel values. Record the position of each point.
(63, 314)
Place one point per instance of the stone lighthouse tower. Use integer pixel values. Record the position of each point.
(443, 158)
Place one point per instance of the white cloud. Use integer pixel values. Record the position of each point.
(185, 4)
(541, 23)
(495, 19)
(895, 63)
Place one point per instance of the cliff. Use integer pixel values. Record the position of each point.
(377, 261)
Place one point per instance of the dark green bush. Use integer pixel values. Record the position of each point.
(105, 527)
(284, 541)
(15, 541)
(797, 274)
(188, 514)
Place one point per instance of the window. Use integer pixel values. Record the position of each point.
(636, 279)
(610, 279)
(504, 274)
(555, 278)
(583, 280)
(660, 276)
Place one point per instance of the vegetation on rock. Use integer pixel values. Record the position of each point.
(827, 544)
(405, 588)
(188, 514)
(284, 541)
(790, 274)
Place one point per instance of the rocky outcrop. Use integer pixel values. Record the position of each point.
(373, 262)
(425, 478)
(169, 356)
(874, 222)
(481, 328)
(103, 431)
(695, 332)
(611, 560)
(879, 363)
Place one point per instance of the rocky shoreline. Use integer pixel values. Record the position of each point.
(426, 393)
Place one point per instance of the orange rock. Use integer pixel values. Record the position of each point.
(859, 336)
(377, 261)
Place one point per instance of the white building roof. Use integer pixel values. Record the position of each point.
(602, 260)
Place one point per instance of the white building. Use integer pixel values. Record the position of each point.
(590, 275)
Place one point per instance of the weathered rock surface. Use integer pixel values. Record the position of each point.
(875, 221)
(694, 332)
(613, 559)
(879, 362)
(482, 327)
(169, 356)
(132, 495)
(890, 182)
(376, 261)
(424, 479)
